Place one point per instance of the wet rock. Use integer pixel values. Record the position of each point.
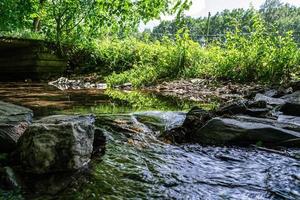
(126, 128)
(56, 144)
(269, 100)
(291, 109)
(244, 131)
(8, 179)
(99, 142)
(160, 121)
(271, 93)
(37, 185)
(195, 119)
(257, 112)
(14, 120)
(237, 107)
(65, 84)
(197, 81)
(125, 86)
(295, 85)
(251, 108)
(289, 119)
(101, 86)
(292, 105)
(256, 104)
(266, 119)
(176, 135)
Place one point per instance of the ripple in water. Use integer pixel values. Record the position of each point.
(159, 171)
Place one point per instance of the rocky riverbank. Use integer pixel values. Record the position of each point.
(198, 90)
(45, 155)
(271, 118)
(205, 90)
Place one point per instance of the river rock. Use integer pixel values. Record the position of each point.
(292, 105)
(57, 144)
(65, 84)
(125, 86)
(244, 131)
(271, 93)
(195, 119)
(14, 120)
(8, 179)
(295, 85)
(99, 142)
(252, 108)
(237, 107)
(289, 119)
(269, 100)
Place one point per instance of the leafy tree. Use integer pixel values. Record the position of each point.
(278, 17)
(16, 14)
(81, 20)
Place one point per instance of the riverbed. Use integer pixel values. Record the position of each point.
(138, 166)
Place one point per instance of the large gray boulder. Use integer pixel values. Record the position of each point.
(245, 131)
(14, 120)
(57, 144)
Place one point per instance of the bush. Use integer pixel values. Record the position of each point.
(257, 56)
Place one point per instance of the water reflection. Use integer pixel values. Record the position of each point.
(46, 100)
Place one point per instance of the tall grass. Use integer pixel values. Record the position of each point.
(258, 56)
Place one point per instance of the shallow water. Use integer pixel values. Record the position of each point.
(138, 166)
(46, 100)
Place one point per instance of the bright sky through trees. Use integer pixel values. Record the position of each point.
(202, 7)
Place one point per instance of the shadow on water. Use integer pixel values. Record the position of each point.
(138, 166)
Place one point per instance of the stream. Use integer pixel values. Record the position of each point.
(138, 166)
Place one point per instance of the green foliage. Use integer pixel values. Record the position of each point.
(16, 14)
(255, 45)
(145, 61)
(82, 20)
(256, 56)
(277, 16)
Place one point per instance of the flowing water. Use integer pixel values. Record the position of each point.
(138, 166)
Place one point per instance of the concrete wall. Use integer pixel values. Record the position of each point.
(21, 59)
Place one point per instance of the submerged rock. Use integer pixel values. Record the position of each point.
(14, 120)
(56, 144)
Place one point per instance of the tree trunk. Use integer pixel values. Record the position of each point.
(37, 20)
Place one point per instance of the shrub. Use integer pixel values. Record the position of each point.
(257, 56)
